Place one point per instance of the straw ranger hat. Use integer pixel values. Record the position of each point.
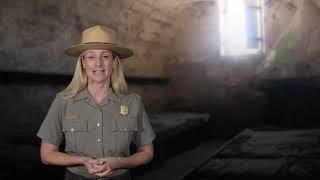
(98, 37)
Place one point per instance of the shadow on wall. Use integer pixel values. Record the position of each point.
(292, 103)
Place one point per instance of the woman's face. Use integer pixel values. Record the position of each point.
(98, 65)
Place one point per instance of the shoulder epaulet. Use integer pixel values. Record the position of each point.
(134, 95)
(59, 95)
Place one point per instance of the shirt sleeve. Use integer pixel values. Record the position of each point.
(145, 133)
(50, 129)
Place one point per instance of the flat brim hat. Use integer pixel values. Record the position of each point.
(98, 37)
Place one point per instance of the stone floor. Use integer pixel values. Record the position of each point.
(177, 167)
(265, 153)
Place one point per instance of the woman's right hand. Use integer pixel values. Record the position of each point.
(96, 167)
(51, 155)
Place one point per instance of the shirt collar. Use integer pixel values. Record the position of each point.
(113, 96)
(84, 94)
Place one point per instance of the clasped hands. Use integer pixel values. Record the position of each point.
(101, 167)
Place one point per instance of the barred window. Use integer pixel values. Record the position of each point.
(241, 27)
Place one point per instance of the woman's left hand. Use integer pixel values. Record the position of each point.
(113, 162)
(103, 169)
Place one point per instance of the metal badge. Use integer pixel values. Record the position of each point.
(124, 110)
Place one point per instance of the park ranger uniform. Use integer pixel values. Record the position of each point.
(97, 131)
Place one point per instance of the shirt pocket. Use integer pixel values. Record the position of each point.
(74, 130)
(123, 131)
(125, 124)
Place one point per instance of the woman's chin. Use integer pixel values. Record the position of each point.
(98, 80)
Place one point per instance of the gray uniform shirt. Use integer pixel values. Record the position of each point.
(96, 131)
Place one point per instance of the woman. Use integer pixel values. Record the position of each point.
(95, 116)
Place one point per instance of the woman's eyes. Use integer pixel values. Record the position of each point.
(104, 57)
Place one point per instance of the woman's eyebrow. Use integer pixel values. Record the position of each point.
(90, 52)
(105, 52)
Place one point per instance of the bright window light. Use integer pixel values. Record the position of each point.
(240, 27)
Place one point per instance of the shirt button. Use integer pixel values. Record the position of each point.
(98, 124)
(98, 140)
(72, 130)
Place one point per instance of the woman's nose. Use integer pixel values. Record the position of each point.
(98, 61)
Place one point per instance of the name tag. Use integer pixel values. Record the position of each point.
(71, 117)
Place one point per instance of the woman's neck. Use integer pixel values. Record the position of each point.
(99, 90)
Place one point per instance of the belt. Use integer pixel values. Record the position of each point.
(72, 176)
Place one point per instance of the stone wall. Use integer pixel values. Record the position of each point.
(293, 33)
(35, 33)
(176, 66)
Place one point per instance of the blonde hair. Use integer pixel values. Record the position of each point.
(80, 80)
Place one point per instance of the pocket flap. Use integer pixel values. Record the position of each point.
(124, 125)
(74, 126)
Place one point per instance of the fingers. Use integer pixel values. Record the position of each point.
(94, 166)
(114, 162)
(96, 161)
(96, 169)
(103, 172)
(99, 168)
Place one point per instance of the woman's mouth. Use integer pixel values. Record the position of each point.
(98, 72)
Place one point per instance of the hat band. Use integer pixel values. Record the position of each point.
(99, 43)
